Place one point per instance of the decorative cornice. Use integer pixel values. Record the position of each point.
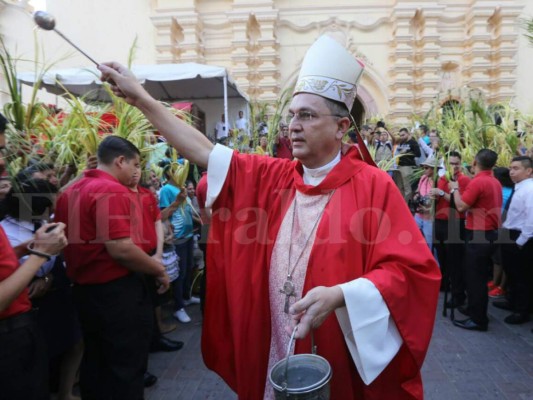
(333, 21)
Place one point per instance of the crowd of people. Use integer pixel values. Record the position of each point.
(88, 262)
(93, 308)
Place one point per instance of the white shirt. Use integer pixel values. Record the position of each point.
(520, 213)
(17, 232)
(242, 125)
(220, 129)
(370, 332)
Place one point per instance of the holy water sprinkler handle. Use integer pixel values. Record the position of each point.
(80, 50)
(47, 22)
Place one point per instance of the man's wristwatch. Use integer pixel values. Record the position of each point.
(441, 193)
(453, 190)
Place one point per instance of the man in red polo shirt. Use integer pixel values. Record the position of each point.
(105, 260)
(450, 231)
(482, 200)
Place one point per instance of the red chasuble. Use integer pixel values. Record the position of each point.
(366, 231)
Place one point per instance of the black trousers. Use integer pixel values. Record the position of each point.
(480, 247)
(116, 320)
(450, 247)
(518, 265)
(23, 360)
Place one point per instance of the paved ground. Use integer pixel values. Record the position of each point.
(461, 365)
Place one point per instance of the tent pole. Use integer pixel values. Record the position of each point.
(225, 80)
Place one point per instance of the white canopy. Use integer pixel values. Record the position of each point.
(165, 82)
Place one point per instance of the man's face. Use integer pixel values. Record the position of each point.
(190, 190)
(455, 162)
(518, 172)
(404, 136)
(130, 172)
(314, 140)
(240, 114)
(285, 131)
(263, 142)
(223, 118)
(383, 137)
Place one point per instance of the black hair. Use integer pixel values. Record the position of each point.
(486, 159)
(380, 124)
(115, 146)
(365, 128)
(27, 199)
(526, 161)
(353, 136)
(454, 153)
(502, 174)
(423, 128)
(3, 123)
(26, 173)
(404, 130)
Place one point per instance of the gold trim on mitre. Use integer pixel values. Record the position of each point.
(330, 71)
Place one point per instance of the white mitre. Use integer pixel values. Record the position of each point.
(331, 71)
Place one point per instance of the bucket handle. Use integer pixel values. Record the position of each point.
(286, 372)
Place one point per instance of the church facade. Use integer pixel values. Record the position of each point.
(414, 51)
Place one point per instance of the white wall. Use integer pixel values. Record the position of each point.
(214, 108)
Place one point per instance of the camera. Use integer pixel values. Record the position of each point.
(418, 202)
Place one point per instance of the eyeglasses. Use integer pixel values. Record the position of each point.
(306, 115)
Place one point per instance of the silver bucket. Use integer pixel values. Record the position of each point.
(301, 377)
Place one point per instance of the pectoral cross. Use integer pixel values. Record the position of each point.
(288, 290)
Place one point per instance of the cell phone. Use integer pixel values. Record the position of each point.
(50, 228)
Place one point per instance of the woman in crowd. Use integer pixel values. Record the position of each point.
(423, 202)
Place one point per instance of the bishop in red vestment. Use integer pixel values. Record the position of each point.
(370, 284)
(366, 231)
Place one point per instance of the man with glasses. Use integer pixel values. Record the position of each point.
(324, 242)
(449, 230)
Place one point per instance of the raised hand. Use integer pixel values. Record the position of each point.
(123, 83)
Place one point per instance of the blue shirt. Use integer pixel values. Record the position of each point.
(506, 193)
(181, 219)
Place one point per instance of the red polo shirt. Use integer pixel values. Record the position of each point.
(8, 265)
(442, 210)
(284, 149)
(150, 214)
(484, 196)
(96, 209)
